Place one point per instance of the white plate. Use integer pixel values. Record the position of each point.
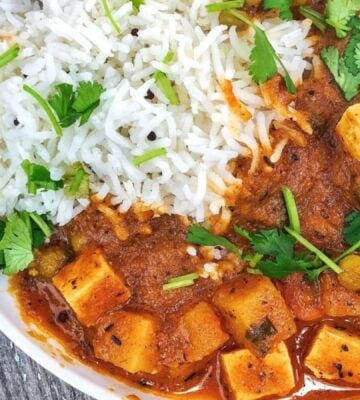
(48, 355)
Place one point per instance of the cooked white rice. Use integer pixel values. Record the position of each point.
(71, 41)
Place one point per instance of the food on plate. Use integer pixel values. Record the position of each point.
(180, 190)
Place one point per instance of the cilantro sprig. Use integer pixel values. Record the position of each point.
(339, 13)
(164, 83)
(9, 55)
(149, 155)
(317, 19)
(284, 7)
(70, 105)
(19, 235)
(347, 82)
(77, 182)
(38, 177)
(203, 237)
(181, 281)
(263, 57)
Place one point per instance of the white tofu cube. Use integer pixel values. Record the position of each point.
(335, 355)
(129, 341)
(249, 377)
(91, 286)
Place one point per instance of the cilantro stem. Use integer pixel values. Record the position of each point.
(111, 18)
(44, 104)
(291, 209)
(317, 19)
(76, 182)
(226, 5)
(9, 55)
(164, 82)
(149, 155)
(350, 250)
(324, 258)
(181, 281)
(41, 224)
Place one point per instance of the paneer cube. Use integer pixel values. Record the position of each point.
(129, 341)
(348, 129)
(202, 328)
(255, 313)
(336, 299)
(91, 286)
(335, 354)
(249, 377)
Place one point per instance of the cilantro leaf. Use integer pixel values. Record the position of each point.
(347, 82)
(352, 54)
(273, 242)
(282, 5)
(282, 266)
(137, 4)
(87, 99)
(62, 103)
(352, 228)
(317, 19)
(17, 245)
(39, 177)
(203, 237)
(77, 182)
(263, 56)
(259, 70)
(338, 14)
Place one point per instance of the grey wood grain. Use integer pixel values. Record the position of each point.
(22, 379)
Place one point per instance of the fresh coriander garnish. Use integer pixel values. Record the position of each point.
(137, 4)
(44, 104)
(351, 234)
(291, 209)
(38, 177)
(203, 237)
(163, 81)
(339, 13)
(263, 57)
(111, 18)
(19, 235)
(284, 7)
(225, 5)
(352, 54)
(181, 281)
(16, 244)
(323, 257)
(9, 55)
(42, 224)
(77, 182)
(347, 82)
(149, 155)
(317, 19)
(71, 105)
(62, 102)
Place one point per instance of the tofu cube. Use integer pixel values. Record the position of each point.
(249, 377)
(91, 286)
(129, 341)
(337, 300)
(348, 129)
(255, 313)
(202, 329)
(335, 355)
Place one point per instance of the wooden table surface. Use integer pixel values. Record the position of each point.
(23, 379)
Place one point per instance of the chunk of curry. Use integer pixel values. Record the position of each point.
(129, 341)
(249, 377)
(255, 313)
(335, 355)
(91, 286)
